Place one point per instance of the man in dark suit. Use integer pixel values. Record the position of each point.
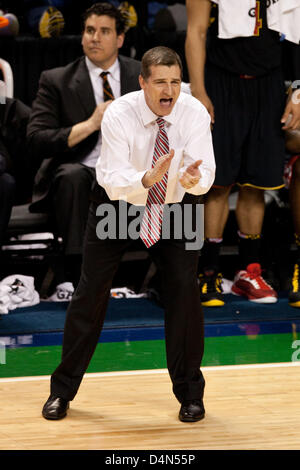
(65, 124)
(16, 177)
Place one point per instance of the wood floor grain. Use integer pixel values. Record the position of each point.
(246, 408)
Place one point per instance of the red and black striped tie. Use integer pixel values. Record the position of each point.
(107, 91)
(152, 220)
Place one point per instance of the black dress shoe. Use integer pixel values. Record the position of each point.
(55, 408)
(191, 410)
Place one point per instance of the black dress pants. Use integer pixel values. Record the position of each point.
(85, 316)
(71, 189)
(7, 197)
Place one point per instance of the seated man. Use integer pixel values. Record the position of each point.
(65, 128)
(16, 177)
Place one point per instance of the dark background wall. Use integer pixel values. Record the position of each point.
(29, 54)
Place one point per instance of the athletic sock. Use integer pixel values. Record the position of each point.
(249, 249)
(297, 241)
(210, 254)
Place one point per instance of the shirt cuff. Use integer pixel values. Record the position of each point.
(127, 193)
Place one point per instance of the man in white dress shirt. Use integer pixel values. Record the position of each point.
(64, 130)
(156, 153)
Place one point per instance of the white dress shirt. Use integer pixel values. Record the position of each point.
(129, 130)
(114, 79)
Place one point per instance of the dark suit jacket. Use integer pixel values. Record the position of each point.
(65, 98)
(14, 156)
(14, 116)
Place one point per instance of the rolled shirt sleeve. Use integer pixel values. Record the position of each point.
(199, 146)
(114, 170)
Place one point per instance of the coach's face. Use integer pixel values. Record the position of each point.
(100, 41)
(162, 88)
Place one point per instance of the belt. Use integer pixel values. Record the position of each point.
(247, 77)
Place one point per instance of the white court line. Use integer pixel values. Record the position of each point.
(158, 371)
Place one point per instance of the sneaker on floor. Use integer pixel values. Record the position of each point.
(63, 293)
(251, 284)
(294, 293)
(210, 285)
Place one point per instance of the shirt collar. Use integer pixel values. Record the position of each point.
(114, 69)
(148, 116)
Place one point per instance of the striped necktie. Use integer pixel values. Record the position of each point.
(107, 91)
(152, 219)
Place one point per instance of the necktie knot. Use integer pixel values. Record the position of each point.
(104, 75)
(161, 123)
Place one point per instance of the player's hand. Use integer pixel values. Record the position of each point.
(291, 115)
(206, 101)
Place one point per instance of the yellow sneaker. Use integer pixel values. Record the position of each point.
(294, 293)
(211, 292)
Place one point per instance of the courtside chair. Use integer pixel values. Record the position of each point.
(7, 84)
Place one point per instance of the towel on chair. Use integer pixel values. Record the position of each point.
(17, 291)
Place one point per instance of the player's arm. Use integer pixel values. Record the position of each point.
(198, 15)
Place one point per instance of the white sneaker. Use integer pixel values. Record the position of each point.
(63, 293)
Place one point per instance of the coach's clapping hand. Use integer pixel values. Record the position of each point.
(191, 176)
(157, 172)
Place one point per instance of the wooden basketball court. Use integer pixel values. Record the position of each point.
(247, 407)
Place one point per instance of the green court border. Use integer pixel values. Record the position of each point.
(143, 355)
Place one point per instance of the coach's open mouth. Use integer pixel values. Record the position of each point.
(166, 102)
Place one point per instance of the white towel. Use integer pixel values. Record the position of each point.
(235, 20)
(125, 293)
(17, 291)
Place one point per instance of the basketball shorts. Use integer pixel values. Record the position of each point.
(247, 136)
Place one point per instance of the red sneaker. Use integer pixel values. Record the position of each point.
(252, 285)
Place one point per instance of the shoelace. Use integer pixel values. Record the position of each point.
(255, 274)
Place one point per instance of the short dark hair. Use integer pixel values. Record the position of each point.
(159, 55)
(107, 9)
